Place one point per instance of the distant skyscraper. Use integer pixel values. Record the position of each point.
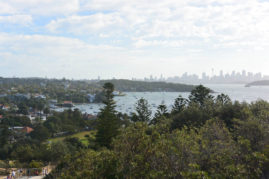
(233, 73)
(221, 73)
(161, 77)
(151, 78)
(212, 70)
(204, 76)
(244, 73)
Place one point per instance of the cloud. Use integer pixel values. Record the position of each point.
(6, 8)
(220, 23)
(54, 56)
(16, 19)
(163, 43)
(140, 35)
(39, 7)
(86, 24)
(40, 55)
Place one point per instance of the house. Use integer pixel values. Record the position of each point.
(19, 129)
(68, 104)
(15, 128)
(53, 101)
(33, 115)
(89, 116)
(14, 90)
(39, 96)
(22, 96)
(4, 107)
(27, 130)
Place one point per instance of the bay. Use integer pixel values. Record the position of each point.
(126, 104)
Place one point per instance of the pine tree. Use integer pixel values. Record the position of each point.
(143, 111)
(161, 114)
(179, 104)
(200, 94)
(108, 123)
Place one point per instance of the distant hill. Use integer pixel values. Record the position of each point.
(258, 83)
(142, 86)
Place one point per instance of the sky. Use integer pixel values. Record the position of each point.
(84, 39)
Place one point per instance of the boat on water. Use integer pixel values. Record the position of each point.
(118, 93)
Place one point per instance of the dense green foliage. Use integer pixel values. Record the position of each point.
(108, 122)
(23, 147)
(142, 86)
(14, 89)
(143, 112)
(202, 137)
(62, 90)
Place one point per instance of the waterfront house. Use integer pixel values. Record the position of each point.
(68, 104)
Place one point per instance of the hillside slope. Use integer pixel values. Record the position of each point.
(142, 86)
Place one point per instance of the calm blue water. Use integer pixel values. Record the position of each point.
(126, 103)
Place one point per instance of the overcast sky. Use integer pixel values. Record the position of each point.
(132, 38)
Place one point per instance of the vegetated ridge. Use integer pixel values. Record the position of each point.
(258, 83)
(143, 86)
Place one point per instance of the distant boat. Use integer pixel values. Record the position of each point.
(118, 93)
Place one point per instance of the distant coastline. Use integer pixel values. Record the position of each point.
(143, 86)
(258, 83)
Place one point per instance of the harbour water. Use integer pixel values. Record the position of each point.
(126, 104)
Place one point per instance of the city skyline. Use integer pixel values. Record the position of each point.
(242, 76)
(233, 77)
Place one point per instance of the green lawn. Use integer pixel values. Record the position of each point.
(80, 135)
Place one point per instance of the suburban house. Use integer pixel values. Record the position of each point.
(89, 116)
(4, 107)
(68, 104)
(19, 129)
(39, 96)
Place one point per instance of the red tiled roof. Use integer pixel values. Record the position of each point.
(67, 102)
(27, 129)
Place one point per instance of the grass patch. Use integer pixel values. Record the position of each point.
(80, 135)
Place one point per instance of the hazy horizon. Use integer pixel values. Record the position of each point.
(82, 39)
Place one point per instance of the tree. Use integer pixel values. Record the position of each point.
(108, 123)
(179, 104)
(58, 150)
(143, 112)
(4, 134)
(223, 99)
(23, 109)
(161, 114)
(40, 133)
(88, 164)
(200, 94)
(192, 116)
(46, 111)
